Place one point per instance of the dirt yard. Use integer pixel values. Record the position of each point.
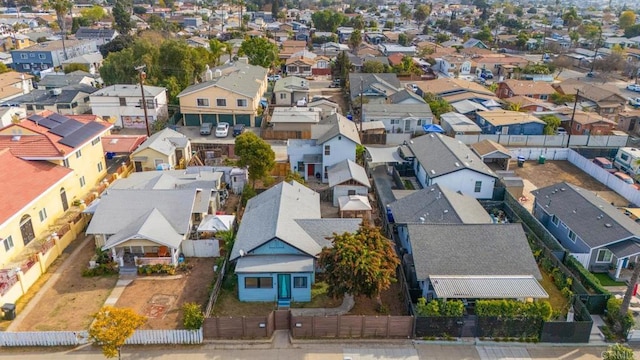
(71, 302)
(392, 299)
(541, 175)
(161, 299)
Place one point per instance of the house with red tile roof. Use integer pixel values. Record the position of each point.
(71, 142)
(33, 197)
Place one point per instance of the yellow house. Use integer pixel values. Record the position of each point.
(163, 150)
(17, 42)
(73, 143)
(231, 94)
(32, 199)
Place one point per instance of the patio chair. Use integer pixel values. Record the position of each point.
(163, 251)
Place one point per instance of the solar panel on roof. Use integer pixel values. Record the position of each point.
(66, 128)
(82, 135)
(45, 122)
(58, 118)
(35, 117)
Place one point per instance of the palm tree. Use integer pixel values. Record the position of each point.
(626, 300)
(62, 8)
(217, 49)
(228, 49)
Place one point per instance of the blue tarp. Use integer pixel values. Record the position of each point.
(432, 128)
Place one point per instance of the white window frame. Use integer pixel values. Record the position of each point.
(41, 56)
(202, 102)
(100, 166)
(555, 220)
(477, 187)
(221, 101)
(573, 239)
(240, 101)
(8, 243)
(24, 56)
(79, 154)
(607, 252)
(65, 162)
(83, 182)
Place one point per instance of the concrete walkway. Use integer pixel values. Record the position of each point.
(15, 324)
(347, 304)
(117, 291)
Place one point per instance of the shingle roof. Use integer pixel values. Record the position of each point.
(402, 111)
(274, 263)
(118, 209)
(239, 78)
(322, 229)
(62, 80)
(164, 141)
(471, 249)
(152, 226)
(45, 97)
(459, 122)
(290, 84)
(449, 85)
(506, 117)
(168, 179)
(526, 87)
(23, 181)
(272, 214)
(386, 81)
(341, 126)
(438, 205)
(403, 95)
(586, 214)
(440, 155)
(486, 147)
(347, 170)
(89, 33)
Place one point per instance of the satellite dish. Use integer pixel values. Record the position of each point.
(241, 253)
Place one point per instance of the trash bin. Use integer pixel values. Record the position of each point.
(9, 311)
(541, 159)
(521, 160)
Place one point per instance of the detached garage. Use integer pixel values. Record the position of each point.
(492, 152)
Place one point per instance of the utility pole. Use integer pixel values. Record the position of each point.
(361, 104)
(544, 40)
(595, 55)
(142, 76)
(573, 115)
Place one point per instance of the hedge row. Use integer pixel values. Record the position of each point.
(586, 277)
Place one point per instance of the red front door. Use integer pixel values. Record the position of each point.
(311, 169)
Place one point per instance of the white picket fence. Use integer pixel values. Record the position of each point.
(43, 338)
(622, 188)
(75, 338)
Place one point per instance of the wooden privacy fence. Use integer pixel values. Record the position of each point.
(43, 338)
(269, 134)
(281, 169)
(352, 326)
(239, 327)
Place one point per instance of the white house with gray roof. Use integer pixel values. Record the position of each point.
(474, 261)
(435, 204)
(163, 150)
(146, 226)
(278, 242)
(122, 103)
(439, 159)
(291, 89)
(333, 140)
(399, 118)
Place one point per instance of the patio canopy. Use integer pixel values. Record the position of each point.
(487, 287)
(216, 223)
(354, 203)
(384, 154)
(433, 128)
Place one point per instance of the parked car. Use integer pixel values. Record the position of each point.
(591, 74)
(238, 129)
(635, 102)
(335, 83)
(413, 88)
(605, 164)
(561, 131)
(274, 77)
(633, 87)
(205, 128)
(624, 177)
(222, 130)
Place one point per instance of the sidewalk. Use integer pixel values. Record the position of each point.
(345, 307)
(15, 324)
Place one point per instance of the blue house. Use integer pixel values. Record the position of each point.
(51, 54)
(278, 242)
(509, 123)
(592, 230)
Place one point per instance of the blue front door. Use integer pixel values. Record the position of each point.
(284, 286)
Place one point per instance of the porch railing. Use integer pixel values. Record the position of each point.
(153, 261)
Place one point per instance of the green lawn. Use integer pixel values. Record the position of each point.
(319, 298)
(605, 280)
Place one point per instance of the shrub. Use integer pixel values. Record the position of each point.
(193, 317)
(439, 307)
(110, 268)
(512, 309)
(382, 309)
(247, 193)
(157, 269)
(587, 278)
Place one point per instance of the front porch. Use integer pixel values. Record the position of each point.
(136, 256)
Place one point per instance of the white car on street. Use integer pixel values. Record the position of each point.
(633, 87)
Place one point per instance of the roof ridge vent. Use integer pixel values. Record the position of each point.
(608, 226)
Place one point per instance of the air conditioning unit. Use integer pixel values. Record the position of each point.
(55, 92)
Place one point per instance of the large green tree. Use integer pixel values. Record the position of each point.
(437, 104)
(112, 327)
(355, 40)
(256, 154)
(360, 263)
(217, 50)
(260, 51)
(373, 67)
(61, 8)
(328, 20)
(422, 13)
(93, 14)
(552, 123)
(122, 15)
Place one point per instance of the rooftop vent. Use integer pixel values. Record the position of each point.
(433, 172)
(457, 164)
(608, 226)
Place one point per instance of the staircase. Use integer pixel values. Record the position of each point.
(284, 304)
(129, 271)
